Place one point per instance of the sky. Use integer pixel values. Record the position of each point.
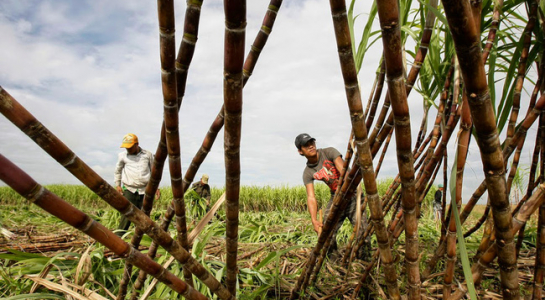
(90, 72)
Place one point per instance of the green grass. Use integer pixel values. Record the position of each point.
(252, 198)
(269, 215)
(272, 217)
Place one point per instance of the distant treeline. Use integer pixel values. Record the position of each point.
(252, 198)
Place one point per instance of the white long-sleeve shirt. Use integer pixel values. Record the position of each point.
(133, 170)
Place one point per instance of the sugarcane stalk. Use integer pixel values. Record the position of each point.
(376, 138)
(357, 235)
(261, 38)
(520, 239)
(388, 200)
(339, 203)
(490, 41)
(444, 198)
(170, 112)
(423, 126)
(531, 116)
(379, 123)
(235, 33)
(467, 44)
(451, 233)
(518, 220)
(349, 257)
(218, 122)
(388, 12)
(440, 117)
(23, 184)
(514, 166)
(395, 183)
(394, 231)
(386, 131)
(494, 26)
(519, 81)
(379, 81)
(187, 45)
(438, 153)
(27, 123)
(464, 136)
(469, 206)
(152, 251)
(383, 154)
(419, 58)
(147, 204)
(535, 157)
(322, 256)
(418, 152)
(183, 61)
(487, 236)
(429, 170)
(346, 161)
(480, 222)
(364, 157)
(541, 132)
(539, 269)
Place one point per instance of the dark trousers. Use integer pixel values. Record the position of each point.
(136, 200)
(350, 214)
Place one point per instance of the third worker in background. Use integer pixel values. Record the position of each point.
(203, 189)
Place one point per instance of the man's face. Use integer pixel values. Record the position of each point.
(309, 149)
(133, 150)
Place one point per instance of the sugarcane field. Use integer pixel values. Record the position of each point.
(259, 149)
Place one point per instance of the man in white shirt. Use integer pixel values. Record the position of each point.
(132, 173)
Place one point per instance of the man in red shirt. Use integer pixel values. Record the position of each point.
(324, 165)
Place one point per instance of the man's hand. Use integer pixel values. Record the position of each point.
(317, 226)
(119, 189)
(157, 194)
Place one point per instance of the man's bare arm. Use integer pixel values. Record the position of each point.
(313, 207)
(339, 162)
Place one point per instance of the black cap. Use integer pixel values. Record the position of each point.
(302, 139)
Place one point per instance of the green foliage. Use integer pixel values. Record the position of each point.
(195, 205)
(17, 264)
(273, 216)
(466, 265)
(252, 198)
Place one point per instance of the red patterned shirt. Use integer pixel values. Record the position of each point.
(324, 169)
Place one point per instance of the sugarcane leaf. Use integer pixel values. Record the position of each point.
(258, 293)
(282, 252)
(19, 255)
(466, 265)
(351, 20)
(504, 114)
(491, 72)
(35, 296)
(266, 260)
(364, 43)
(409, 31)
(436, 11)
(219, 273)
(411, 53)
(510, 75)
